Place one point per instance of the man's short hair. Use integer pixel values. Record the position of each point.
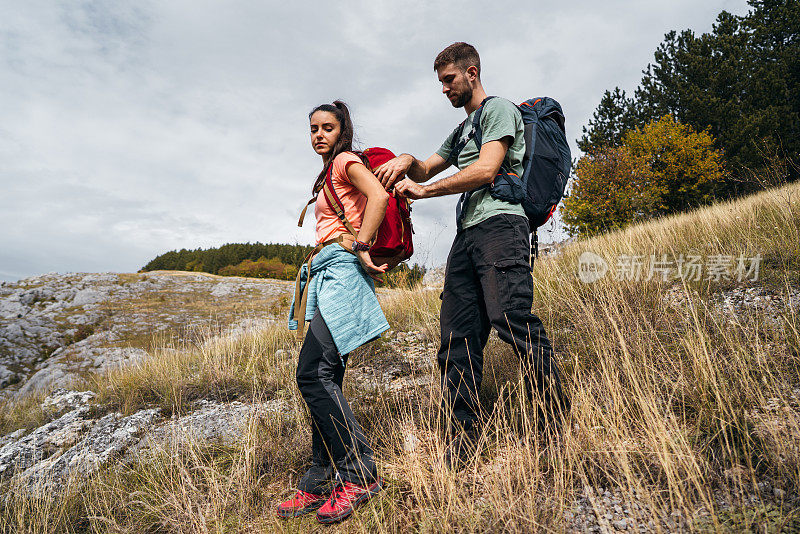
(462, 55)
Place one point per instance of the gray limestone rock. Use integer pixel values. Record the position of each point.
(52, 376)
(7, 376)
(210, 422)
(223, 289)
(118, 357)
(26, 451)
(54, 330)
(88, 296)
(77, 444)
(105, 441)
(11, 308)
(63, 399)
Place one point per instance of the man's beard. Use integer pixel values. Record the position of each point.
(463, 98)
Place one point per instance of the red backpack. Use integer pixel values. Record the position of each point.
(393, 242)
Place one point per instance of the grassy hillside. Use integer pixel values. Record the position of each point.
(685, 416)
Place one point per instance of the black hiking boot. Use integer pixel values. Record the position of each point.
(462, 446)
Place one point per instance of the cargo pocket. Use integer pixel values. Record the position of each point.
(514, 284)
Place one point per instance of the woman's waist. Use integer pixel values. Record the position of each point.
(332, 252)
(336, 235)
(337, 274)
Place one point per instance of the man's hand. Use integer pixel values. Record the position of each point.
(411, 189)
(394, 170)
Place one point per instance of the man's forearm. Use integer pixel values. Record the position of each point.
(466, 179)
(417, 170)
(479, 173)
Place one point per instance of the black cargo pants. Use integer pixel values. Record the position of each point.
(488, 284)
(337, 440)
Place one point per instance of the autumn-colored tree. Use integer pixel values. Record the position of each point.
(684, 163)
(612, 188)
(261, 268)
(662, 168)
(740, 80)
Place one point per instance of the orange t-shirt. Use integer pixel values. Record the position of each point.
(328, 224)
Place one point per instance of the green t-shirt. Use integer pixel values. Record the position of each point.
(500, 118)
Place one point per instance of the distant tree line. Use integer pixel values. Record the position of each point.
(256, 260)
(213, 260)
(261, 268)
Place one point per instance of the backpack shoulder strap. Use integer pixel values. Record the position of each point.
(475, 132)
(476, 122)
(456, 144)
(335, 202)
(305, 208)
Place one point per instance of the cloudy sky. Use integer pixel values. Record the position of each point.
(129, 128)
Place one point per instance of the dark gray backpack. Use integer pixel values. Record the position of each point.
(546, 164)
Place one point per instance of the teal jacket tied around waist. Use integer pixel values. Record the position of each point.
(345, 296)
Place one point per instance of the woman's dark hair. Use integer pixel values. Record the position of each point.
(343, 144)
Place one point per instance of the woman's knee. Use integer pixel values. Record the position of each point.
(311, 378)
(308, 362)
(304, 379)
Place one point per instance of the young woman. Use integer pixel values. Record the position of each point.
(338, 298)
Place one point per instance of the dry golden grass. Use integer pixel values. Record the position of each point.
(175, 306)
(223, 368)
(24, 413)
(680, 410)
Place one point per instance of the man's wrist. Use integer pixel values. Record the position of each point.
(409, 166)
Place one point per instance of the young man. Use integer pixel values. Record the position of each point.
(488, 279)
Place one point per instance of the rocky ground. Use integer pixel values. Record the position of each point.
(55, 329)
(78, 440)
(599, 510)
(743, 300)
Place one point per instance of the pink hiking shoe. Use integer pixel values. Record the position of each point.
(344, 499)
(302, 503)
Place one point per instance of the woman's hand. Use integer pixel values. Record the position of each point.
(370, 268)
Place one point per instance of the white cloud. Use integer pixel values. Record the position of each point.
(131, 128)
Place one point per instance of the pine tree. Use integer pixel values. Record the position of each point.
(613, 117)
(741, 82)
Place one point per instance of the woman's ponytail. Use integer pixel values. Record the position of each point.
(345, 141)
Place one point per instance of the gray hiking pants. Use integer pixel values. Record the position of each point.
(337, 440)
